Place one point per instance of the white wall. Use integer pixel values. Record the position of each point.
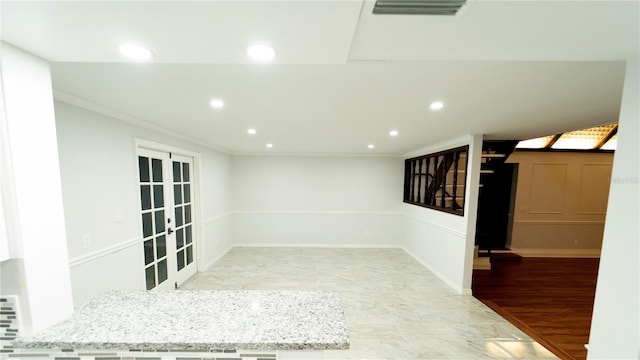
(561, 203)
(5, 249)
(444, 242)
(6, 183)
(353, 201)
(101, 199)
(317, 201)
(215, 192)
(36, 212)
(615, 332)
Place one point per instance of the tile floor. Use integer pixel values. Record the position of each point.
(394, 307)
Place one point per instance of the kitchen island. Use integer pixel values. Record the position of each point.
(230, 324)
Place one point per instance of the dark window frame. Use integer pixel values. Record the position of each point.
(426, 177)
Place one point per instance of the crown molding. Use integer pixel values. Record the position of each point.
(107, 111)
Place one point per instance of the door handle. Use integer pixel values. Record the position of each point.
(169, 231)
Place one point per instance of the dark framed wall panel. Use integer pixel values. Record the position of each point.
(437, 181)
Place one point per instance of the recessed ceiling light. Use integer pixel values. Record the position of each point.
(261, 52)
(269, 145)
(136, 52)
(393, 132)
(436, 105)
(251, 131)
(371, 146)
(217, 103)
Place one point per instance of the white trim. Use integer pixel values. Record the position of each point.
(215, 259)
(438, 226)
(339, 212)
(142, 147)
(318, 245)
(74, 100)
(559, 222)
(153, 145)
(557, 253)
(448, 281)
(82, 259)
(305, 154)
(104, 110)
(441, 146)
(216, 218)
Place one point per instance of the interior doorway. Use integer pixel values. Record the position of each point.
(166, 184)
(496, 197)
(544, 279)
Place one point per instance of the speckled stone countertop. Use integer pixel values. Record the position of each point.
(201, 320)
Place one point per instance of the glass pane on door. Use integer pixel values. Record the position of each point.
(153, 220)
(183, 213)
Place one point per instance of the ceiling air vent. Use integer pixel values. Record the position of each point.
(418, 7)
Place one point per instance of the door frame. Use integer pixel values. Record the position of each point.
(145, 144)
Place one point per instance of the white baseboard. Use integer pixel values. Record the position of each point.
(320, 245)
(557, 253)
(223, 253)
(447, 281)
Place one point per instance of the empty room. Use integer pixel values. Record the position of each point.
(306, 179)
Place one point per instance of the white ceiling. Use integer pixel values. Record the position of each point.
(343, 77)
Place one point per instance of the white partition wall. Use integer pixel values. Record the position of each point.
(444, 242)
(615, 326)
(36, 192)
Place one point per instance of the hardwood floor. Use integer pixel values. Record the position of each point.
(550, 299)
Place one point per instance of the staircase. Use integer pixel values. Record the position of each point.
(450, 180)
(480, 263)
(494, 200)
(438, 181)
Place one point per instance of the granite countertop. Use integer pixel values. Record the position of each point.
(200, 320)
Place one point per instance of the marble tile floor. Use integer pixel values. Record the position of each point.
(394, 307)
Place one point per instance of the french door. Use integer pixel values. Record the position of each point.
(166, 201)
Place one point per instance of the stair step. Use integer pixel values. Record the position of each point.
(493, 155)
(481, 263)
